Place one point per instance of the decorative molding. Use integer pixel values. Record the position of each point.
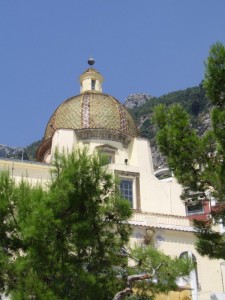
(43, 148)
(104, 134)
(86, 111)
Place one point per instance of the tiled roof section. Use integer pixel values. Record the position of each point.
(45, 145)
(92, 115)
(86, 111)
(104, 113)
(69, 114)
(123, 119)
(162, 221)
(50, 127)
(92, 110)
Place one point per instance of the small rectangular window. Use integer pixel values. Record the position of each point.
(129, 185)
(195, 209)
(93, 83)
(126, 189)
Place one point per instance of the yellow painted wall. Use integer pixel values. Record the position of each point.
(184, 295)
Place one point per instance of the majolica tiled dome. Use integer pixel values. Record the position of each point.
(91, 111)
(91, 114)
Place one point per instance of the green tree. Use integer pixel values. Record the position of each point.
(67, 241)
(214, 82)
(198, 163)
(63, 242)
(153, 272)
(31, 150)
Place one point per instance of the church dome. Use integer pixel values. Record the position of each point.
(91, 114)
(91, 111)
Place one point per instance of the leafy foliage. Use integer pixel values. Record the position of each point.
(210, 242)
(193, 100)
(65, 241)
(164, 271)
(199, 162)
(214, 82)
(32, 149)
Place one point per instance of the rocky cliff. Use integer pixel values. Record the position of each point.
(136, 100)
(194, 101)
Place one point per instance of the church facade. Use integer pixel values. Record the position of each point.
(102, 123)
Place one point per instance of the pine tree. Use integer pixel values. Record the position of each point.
(67, 241)
(63, 242)
(198, 163)
(153, 272)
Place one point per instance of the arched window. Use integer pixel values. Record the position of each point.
(193, 281)
(107, 151)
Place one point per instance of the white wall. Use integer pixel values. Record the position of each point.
(156, 196)
(63, 140)
(209, 273)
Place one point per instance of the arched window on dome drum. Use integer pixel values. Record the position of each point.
(108, 151)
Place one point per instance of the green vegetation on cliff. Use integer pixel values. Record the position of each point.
(192, 99)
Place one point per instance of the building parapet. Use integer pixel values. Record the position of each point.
(161, 221)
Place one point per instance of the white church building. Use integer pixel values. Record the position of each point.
(100, 121)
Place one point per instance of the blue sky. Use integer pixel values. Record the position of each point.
(145, 46)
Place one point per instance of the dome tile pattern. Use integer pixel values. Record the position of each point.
(91, 110)
(86, 111)
(91, 115)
